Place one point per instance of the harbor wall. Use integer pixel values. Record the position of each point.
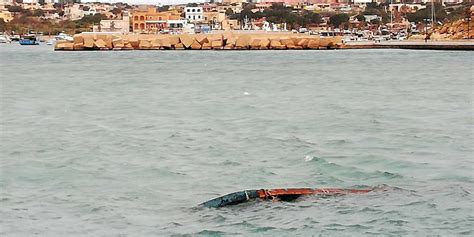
(466, 45)
(217, 41)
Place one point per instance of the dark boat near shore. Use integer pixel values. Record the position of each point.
(29, 40)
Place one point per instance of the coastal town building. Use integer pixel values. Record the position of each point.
(214, 19)
(399, 7)
(6, 2)
(176, 25)
(209, 7)
(228, 24)
(150, 20)
(194, 14)
(369, 18)
(362, 1)
(30, 6)
(236, 8)
(214, 16)
(229, 2)
(74, 12)
(119, 26)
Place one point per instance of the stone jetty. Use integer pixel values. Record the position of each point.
(218, 41)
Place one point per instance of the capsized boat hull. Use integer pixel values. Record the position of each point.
(287, 194)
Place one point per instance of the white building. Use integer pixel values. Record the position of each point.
(369, 18)
(360, 2)
(176, 24)
(120, 26)
(193, 14)
(73, 12)
(413, 7)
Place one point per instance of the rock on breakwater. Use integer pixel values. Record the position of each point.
(216, 41)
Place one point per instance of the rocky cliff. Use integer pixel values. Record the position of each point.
(456, 30)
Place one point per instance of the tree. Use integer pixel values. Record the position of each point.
(116, 11)
(192, 4)
(371, 11)
(278, 13)
(360, 17)
(229, 12)
(3, 25)
(425, 13)
(249, 6)
(164, 8)
(278, 6)
(26, 12)
(338, 19)
(38, 12)
(244, 13)
(87, 20)
(375, 21)
(372, 5)
(313, 18)
(14, 9)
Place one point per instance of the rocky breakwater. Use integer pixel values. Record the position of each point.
(219, 41)
(456, 30)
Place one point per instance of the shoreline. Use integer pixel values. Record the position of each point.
(465, 45)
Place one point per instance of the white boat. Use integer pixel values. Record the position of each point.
(62, 36)
(4, 39)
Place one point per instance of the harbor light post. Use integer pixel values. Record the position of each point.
(426, 30)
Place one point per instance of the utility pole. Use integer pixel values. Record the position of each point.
(468, 19)
(432, 14)
(391, 15)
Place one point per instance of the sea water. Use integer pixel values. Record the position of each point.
(128, 143)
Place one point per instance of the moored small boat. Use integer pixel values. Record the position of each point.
(4, 39)
(29, 40)
(62, 36)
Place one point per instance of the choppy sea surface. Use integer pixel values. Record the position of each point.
(129, 143)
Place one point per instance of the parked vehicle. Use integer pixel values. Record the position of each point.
(303, 30)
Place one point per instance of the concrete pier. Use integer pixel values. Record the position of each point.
(429, 45)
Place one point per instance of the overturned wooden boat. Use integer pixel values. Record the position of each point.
(287, 194)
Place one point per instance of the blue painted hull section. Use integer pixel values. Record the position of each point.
(28, 42)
